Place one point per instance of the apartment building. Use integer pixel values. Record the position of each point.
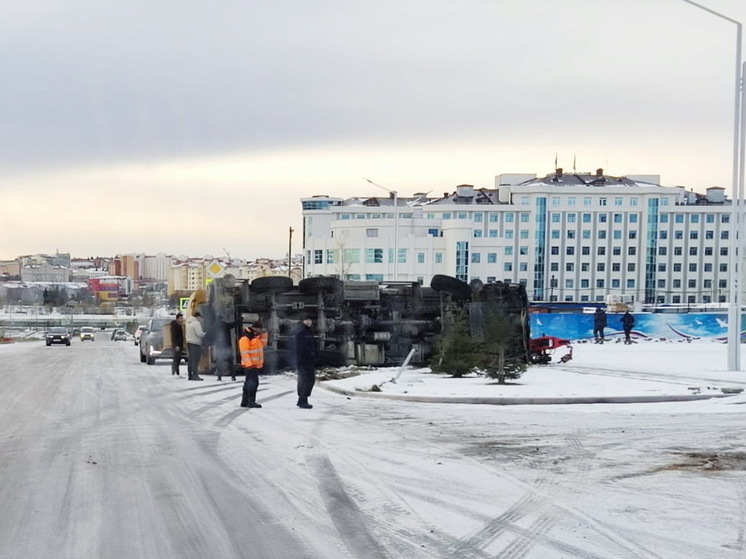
(566, 237)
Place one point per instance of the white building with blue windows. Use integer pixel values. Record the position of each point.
(566, 237)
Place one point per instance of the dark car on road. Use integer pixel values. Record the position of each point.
(152, 345)
(58, 335)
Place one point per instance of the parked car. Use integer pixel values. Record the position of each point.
(138, 333)
(58, 335)
(87, 333)
(152, 344)
(120, 336)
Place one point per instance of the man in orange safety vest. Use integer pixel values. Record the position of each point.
(251, 347)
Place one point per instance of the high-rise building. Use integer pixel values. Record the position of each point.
(566, 237)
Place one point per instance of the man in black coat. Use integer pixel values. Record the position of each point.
(628, 322)
(306, 357)
(599, 323)
(177, 342)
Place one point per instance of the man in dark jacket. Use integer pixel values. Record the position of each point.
(628, 322)
(177, 342)
(305, 361)
(599, 323)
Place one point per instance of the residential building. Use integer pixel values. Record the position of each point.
(566, 237)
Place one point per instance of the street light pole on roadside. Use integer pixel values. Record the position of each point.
(396, 227)
(736, 241)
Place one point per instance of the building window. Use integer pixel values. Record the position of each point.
(352, 255)
(662, 251)
(476, 258)
(318, 256)
(477, 233)
(330, 258)
(433, 232)
(631, 267)
(373, 277)
(508, 267)
(420, 258)
(691, 284)
(492, 258)
(615, 284)
(723, 267)
(677, 267)
(723, 235)
(707, 266)
(616, 267)
(374, 255)
(569, 267)
(585, 250)
(371, 232)
(461, 215)
(403, 255)
(493, 217)
(493, 233)
(438, 257)
(723, 251)
(693, 234)
(508, 251)
(630, 284)
(478, 217)
(692, 251)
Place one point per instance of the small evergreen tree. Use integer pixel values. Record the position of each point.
(455, 353)
(502, 354)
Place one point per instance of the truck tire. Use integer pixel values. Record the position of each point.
(271, 283)
(320, 283)
(458, 289)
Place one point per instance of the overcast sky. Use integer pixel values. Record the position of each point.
(196, 127)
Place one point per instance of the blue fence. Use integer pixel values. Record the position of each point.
(576, 326)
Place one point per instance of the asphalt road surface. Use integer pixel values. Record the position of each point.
(104, 457)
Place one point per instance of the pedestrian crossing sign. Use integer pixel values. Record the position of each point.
(183, 303)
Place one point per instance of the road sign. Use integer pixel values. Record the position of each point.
(183, 303)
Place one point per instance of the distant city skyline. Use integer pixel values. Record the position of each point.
(142, 129)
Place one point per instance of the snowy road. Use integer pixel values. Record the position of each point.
(102, 456)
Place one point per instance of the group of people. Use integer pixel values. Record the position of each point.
(251, 346)
(600, 322)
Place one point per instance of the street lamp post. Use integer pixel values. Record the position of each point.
(734, 308)
(396, 226)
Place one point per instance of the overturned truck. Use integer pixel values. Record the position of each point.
(359, 322)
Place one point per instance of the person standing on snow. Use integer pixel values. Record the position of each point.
(177, 342)
(305, 354)
(599, 323)
(251, 347)
(628, 322)
(194, 335)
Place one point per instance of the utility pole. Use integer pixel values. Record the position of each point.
(290, 252)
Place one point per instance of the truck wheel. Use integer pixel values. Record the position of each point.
(142, 358)
(149, 360)
(320, 283)
(455, 287)
(271, 283)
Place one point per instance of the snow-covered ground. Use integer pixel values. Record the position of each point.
(637, 372)
(104, 456)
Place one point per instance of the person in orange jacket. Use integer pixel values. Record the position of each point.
(251, 347)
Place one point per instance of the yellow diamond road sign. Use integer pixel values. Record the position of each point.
(215, 268)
